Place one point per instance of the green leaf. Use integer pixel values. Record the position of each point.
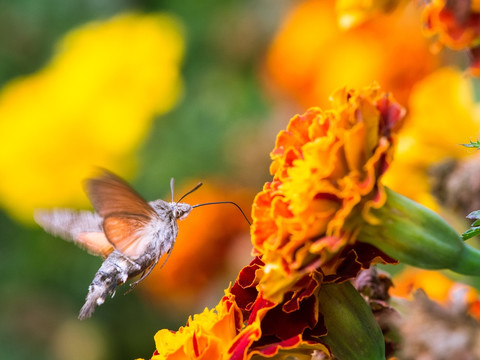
(472, 144)
(471, 232)
(353, 332)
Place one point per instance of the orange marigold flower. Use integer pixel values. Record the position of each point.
(456, 25)
(206, 336)
(292, 323)
(298, 323)
(326, 169)
(245, 324)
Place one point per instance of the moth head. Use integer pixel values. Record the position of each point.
(181, 210)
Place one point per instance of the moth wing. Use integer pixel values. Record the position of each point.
(125, 213)
(84, 228)
(129, 233)
(95, 242)
(110, 195)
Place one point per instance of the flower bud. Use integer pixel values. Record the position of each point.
(411, 233)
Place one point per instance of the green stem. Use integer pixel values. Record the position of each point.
(469, 262)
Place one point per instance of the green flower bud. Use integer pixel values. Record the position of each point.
(415, 235)
(353, 332)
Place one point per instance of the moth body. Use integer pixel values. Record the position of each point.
(114, 271)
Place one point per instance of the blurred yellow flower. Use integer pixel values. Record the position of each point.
(91, 105)
(311, 56)
(442, 115)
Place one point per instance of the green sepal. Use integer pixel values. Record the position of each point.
(353, 332)
(415, 235)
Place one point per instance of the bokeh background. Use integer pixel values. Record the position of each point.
(196, 90)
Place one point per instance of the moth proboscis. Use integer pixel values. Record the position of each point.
(130, 233)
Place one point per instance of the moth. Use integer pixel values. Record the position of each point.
(130, 233)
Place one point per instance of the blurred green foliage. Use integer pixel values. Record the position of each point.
(45, 279)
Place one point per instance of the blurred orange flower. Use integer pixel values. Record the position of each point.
(442, 115)
(457, 25)
(311, 57)
(355, 12)
(326, 169)
(438, 287)
(91, 105)
(211, 246)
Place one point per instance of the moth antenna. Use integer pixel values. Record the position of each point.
(172, 183)
(225, 202)
(188, 193)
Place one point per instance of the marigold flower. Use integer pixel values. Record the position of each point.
(326, 169)
(92, 104)
(206, 336)
(297, 311)
(310, 315)
(311, 56)
(456, 25)
(244, 324)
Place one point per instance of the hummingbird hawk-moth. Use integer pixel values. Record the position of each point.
(130, 233)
